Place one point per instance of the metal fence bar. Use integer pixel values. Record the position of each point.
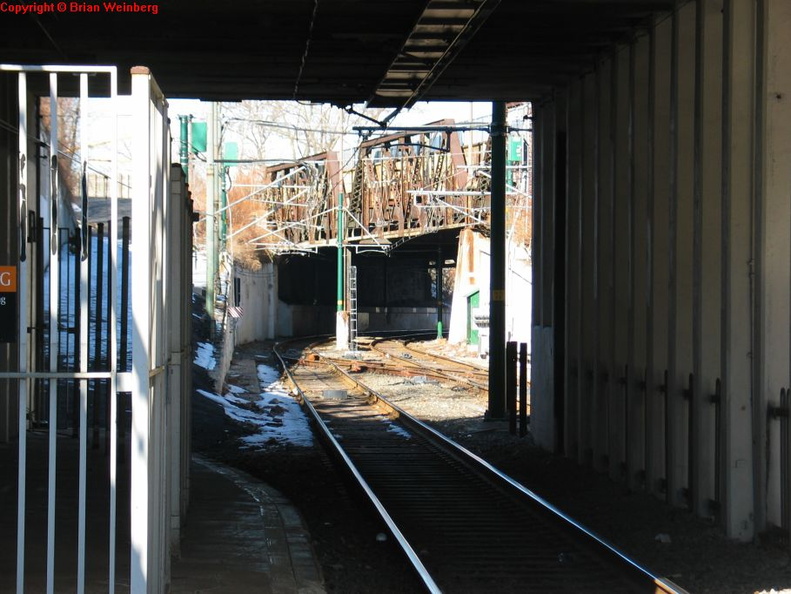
(510, 384)
(24, 322)
(113, 362)
(50, 371)
(151, 487)
(83, 338)
(54, 298)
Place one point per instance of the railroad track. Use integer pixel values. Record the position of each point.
(462, 525)
(405, 354)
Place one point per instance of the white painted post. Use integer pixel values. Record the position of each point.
(24, 323)
(174, 290)
(140, 524)
(150, 561)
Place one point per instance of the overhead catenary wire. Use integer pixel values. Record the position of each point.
(305, 53)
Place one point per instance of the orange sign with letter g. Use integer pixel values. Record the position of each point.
(7, 279)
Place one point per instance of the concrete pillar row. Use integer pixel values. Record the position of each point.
(670, 228)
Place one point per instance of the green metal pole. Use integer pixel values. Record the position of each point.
(184, 148)
(224, 211)
(497, 367)
(211, 227)
(340, 285)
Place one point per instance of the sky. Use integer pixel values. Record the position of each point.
(421, 114)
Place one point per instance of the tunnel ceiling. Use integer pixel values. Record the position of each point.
(384, 52)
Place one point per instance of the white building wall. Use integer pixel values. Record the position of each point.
(257, 301)
(472, 274)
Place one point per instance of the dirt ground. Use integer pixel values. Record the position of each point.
(669, 542)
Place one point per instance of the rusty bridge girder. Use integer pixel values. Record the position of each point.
(402, 185)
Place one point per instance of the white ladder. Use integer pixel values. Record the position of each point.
(353, 308)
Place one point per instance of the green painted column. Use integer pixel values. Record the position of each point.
(341, 289)
(223, 208)
(211, 207)
(184, 147)
(497, 267)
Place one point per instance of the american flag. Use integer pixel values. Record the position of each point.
(236, 311)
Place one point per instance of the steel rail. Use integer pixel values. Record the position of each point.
(585, 542)
(411, 554)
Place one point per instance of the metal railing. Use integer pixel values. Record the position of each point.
(157, 377)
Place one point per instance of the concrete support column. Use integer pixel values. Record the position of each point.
(737, 264)
(638, 101)
(574, 373)
(659, 249)
(773, 240)
(542, 409)
(707, 250)
(537, 213)
(622, 262)
(497, 278)
(560, 291)
(604, 153)
(679, 345)
(588, 326)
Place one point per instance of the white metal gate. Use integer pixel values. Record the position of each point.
(153, 476)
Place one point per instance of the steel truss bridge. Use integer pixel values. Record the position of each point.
(396, 186)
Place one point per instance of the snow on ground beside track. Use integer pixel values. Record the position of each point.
(204, 356)
(276, 416)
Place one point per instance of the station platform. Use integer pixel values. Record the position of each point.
(240, 535)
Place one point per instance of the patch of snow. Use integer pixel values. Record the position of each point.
(398, 430)
(276, 416)
(236, 389)
(231, 409)
(204, 356)
(268, 376)
(393, 428)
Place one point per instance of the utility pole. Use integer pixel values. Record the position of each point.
(497, 361)
(211, 231)
(341, 327)
(223, 207)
